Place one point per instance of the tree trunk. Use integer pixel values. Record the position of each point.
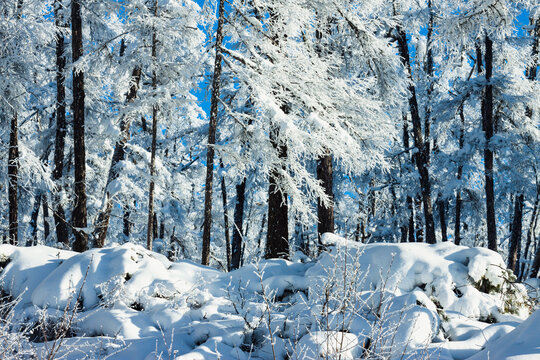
(34, 220)
(79, 211)
(441, 205)
(410, 206)
(530, 234)
(102, 223)
(420, 156)
(216, 88)
(457, 223)
(162, 228)
(536, 263)
(487, 122)
(515, 238)
(155, 234)
(45, 210)
(429, 71)
(277, 237)
(13, 175)
(236, 246)
(225, 219)
(60, 140)
(325, 212)
(419, 226)
(127, 222)
(531, 75)
(150, 225)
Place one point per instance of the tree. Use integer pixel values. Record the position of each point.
(420, 157)
(79, 210)
(488, 127)
(13, 173)
(515, 239)
(59, 214)
(216, 78)
(151, 214)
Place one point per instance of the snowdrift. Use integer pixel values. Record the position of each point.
(395, 301)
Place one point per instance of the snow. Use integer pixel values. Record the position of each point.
(394, 301)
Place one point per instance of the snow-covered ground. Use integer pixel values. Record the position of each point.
(399, 301)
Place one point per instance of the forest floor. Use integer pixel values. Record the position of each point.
(378, 301)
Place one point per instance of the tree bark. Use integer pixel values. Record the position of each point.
(536, 263)
(59, 215)
(13, 176)
(127, 222)
(79, 211)
(515, 238)
(531, 75)
(216, 88)
(236, 246)
(150, 225)
(325, 212)
(429, 71)
(34, 220)
(102, 223)
(529, 238)
(420, 157)
(441, 205)
(225, 219)
(277, 236)
(487, 122)
(410, 205)
(45, 210)
(457, 222)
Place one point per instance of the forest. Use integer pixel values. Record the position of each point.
(230, 132)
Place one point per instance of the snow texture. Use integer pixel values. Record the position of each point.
(389, 301)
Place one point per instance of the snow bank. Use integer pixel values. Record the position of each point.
(386, 300)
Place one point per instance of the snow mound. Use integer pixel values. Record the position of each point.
(392, 301)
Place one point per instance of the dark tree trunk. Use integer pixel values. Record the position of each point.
(127, 222)
(441, 205)
(420, 156)
(225, 219)
(410, 205)
(277, 236)
(13, 176)
(531, 75)
(79, 211)
(216, 88)
(457, 223)
(155, 234)
(404, 234)
(45, 210)
(530, 234)
(59, 144)
(419, 226)
(429, 71)
(150, 225)
(535, 264)
(34, 220)
(259, 237)
(487, 122)
(358, 223)
(515, 238)
(236, 246)
(104, 216)
(325, 212)
(162, 228)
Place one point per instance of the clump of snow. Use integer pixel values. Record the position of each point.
(383, 300)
